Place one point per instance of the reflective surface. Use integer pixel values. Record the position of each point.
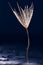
(13, 56)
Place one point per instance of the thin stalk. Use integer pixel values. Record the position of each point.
(27, 45)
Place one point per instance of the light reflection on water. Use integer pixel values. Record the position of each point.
(4, 61)
(10, 56)
(18, 63)
(30, 64)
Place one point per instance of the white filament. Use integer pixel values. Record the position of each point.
(25, 15)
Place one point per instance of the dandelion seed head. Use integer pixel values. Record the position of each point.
(25, 15)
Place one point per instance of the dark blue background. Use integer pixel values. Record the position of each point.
(12, 32)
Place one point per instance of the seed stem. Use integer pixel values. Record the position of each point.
(27, 45)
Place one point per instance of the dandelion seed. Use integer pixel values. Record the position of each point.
(24, 18)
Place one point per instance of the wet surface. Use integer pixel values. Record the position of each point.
(11, 55)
